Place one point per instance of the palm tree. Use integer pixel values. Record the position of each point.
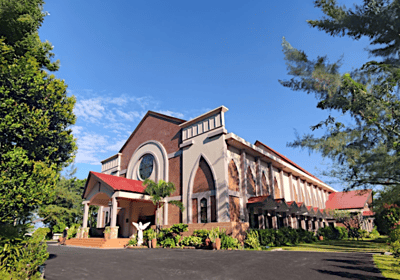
(159, 191)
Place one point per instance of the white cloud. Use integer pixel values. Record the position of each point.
(76, 129)
(129, 116)
(145, 102)
(114, 119)
(110, 116)
(171, 113)
(117, 146)
(120, 101)
(89, 145)
(90, 110)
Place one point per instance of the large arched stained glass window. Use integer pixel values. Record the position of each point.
(146, 166)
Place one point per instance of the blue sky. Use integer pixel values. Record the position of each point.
(183, 58)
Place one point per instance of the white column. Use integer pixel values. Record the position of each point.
(166, 212)
(100, 217)
(114, 212)
(85, 213)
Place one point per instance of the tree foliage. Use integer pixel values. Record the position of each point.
(159, 191)
(35, 113)
(66, 205)
(366, 152)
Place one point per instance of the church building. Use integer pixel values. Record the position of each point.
(221, 179)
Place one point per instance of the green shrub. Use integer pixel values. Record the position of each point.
(177, 239)
(191, 241)
(252, 239)
(168, 242)
(149, 234)
(202, 233)
(21, 256)
(133, 242)
(42, 231)
(394, 241)
(179, 228)
(374, 233)
(229, 242)
(59, 228)
(72, 231)
(342, 233)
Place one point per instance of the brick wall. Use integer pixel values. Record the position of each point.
(203, 181)
(163, 130)
(175, 174)
(234, 208)
(251, 183)
(174, 215)
(233, 175)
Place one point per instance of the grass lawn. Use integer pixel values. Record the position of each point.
(363, 246)
(388, 265)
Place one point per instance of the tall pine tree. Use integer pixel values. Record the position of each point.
(367, 152)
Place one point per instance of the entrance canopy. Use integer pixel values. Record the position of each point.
(100, 188)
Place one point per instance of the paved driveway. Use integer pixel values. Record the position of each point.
(85, 263)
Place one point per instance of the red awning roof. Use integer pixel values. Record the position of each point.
(368, 213)
(348, 200)
(289, 203)
(119, 183)
(256, 199)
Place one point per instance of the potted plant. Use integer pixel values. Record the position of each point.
(107, 233)
(215, 240)
(151, 238)
(85, 232)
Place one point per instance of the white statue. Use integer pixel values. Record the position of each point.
(140, 229)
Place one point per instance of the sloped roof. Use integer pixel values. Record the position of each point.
(166, 117)
(259, 143)
(118, 183)
(257, 199)
(348, 200)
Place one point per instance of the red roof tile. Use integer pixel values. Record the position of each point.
(368, 213)
(256, 199)
(120, 183)
(300, 204)
(348, 200)
(289, 203)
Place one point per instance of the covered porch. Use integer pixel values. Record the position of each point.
(266, 212)
(121, 201)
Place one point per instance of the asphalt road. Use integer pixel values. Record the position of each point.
(85, 263)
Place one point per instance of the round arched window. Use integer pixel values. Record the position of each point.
(146, 166)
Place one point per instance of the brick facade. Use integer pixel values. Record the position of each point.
(251, 183)
(233, 174)
(152, 127)
(234, 208)
(203, 181)
(175, 171)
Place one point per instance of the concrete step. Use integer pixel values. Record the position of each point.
(98, 242)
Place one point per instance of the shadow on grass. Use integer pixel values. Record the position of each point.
(351, 275)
